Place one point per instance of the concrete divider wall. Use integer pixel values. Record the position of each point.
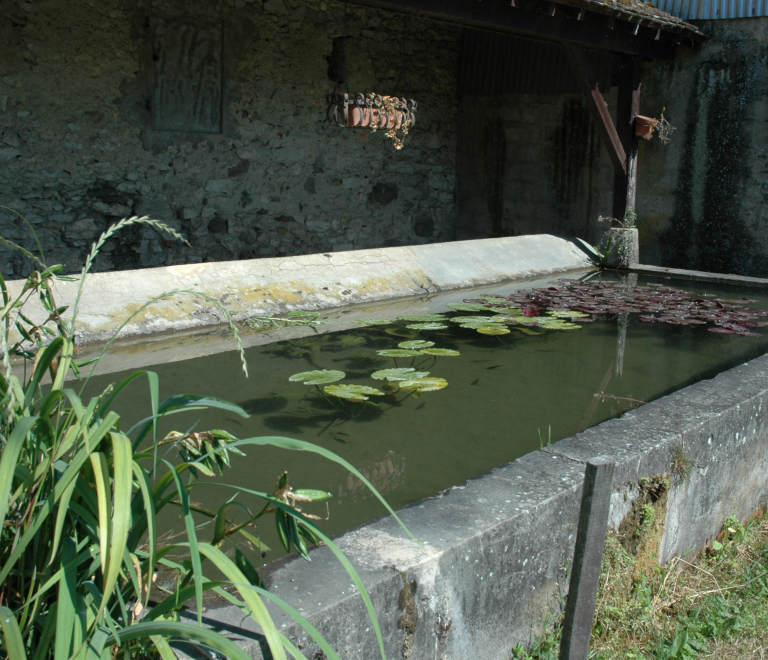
(317, 281)
(497, 548)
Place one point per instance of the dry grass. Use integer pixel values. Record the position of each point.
(711, 606)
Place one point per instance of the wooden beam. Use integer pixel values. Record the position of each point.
(499, 16)
(597, 106)
(628, 107)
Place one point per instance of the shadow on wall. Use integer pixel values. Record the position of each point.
(719, 208)
(531, 164)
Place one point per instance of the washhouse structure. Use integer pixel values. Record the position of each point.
(212, 117)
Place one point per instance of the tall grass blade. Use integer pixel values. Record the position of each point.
(297, 616)
(340, 556)
(61, 518)
(197, 569)
(9, 459)
(301, 445)
(119, 520)
(104, 494)
(173, 630)
(163, 647)
(258, 609)
(66, 610)
(43, 363)
(14, 643)
(149, 510)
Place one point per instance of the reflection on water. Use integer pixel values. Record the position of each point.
(386, 474)
(504, 393)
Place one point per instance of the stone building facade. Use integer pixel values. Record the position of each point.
(210, 116)
(702, 200)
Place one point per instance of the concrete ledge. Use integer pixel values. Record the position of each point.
(498, 545)
(699, 275)
(318, 281)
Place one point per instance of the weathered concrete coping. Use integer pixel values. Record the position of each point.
(497, 546)
(310, 282)
(141, 351)
(699, 275)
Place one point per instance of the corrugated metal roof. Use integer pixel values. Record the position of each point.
(707, 10)
(497, 64)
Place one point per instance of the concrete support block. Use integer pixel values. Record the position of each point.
(622, 248)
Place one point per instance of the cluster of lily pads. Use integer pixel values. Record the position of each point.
(505, 316)
(655, 303)
(566, 307)
(563, 307)
(403, 378)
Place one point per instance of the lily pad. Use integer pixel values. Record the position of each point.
(424, 384)
(318, 377)
(486, 330)
(472, 319)
(354, 392)
(482, 324)
(495, 299)
(416, 343)
(398, 352)
(568, 314)
(422, 318)
(426, 326)
(446, 352)
(406, 373)
(469, 307)
(374, 321)
(557, 324)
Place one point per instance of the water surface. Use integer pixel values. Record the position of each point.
(507, 395)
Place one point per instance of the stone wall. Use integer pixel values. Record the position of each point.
(531, 164)
(701, 199)
(97, 100)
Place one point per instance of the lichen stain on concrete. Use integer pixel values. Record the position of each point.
(180, 309)
(375, 549)
(410, 616)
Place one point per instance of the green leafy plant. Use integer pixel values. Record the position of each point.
(80, 493)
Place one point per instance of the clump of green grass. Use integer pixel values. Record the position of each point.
(715, 606)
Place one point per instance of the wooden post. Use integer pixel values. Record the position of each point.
(587, 559)
(628, 107)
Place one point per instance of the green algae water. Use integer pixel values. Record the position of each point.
(507, 394)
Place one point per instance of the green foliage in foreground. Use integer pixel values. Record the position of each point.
(712, 607)
(79, 496)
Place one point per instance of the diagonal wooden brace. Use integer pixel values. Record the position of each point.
(597, 106)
